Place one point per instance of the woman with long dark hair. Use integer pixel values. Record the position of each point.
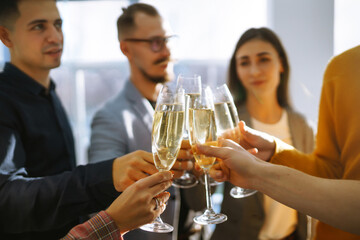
(259, 79)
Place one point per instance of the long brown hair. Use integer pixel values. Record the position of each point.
(236, 87)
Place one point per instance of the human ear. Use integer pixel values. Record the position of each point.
(5, 36)
(125, 48)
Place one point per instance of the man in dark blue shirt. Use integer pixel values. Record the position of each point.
(42, 192)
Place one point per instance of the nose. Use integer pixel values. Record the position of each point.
(55, 35)
(254, 69)
(165, 51)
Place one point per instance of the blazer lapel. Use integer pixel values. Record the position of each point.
(141, 105)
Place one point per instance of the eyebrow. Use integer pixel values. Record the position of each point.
(37, 21)
(259, 55)
(263, 53)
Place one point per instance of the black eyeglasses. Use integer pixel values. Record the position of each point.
(156, 43)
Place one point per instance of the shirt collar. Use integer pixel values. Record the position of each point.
(19, 79)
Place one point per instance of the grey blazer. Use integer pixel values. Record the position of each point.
(121, 126)
(246, 215)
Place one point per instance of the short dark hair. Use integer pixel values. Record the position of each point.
(126, 21)
(236, 87)
(9, 12)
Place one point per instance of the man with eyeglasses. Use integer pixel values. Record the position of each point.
(124, 124)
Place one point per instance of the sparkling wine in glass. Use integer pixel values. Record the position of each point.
(167, 134)
(191, 84)
(227, 118)
(202, 130)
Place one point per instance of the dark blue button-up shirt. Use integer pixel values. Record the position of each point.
(42, 193)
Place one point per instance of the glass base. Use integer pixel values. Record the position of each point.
(185, 181)
(157, 227)
(238, 192)
(210, 217)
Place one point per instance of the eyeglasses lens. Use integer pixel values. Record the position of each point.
(157, 44)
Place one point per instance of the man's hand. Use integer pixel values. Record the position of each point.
(136, 206)
(131, 168)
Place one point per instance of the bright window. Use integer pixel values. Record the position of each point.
(346, 26)
(207, 29)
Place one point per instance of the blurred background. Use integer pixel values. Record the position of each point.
(93, 68)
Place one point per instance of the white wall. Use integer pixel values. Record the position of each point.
(347, 31)
(306, 29)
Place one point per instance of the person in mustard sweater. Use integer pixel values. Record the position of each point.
(324, 184)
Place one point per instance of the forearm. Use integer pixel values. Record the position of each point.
(44, 202)
(336, 202)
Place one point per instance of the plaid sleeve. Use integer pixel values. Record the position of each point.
(101, 226)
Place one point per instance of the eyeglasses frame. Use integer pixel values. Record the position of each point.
(151, 41)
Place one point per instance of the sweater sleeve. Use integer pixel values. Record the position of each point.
(325, 160)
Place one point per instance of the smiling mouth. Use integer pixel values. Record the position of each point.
(258, 82)
(55, 51)
(164, 64)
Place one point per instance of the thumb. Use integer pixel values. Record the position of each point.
(243, 128)
(215, 151)
(207, 150)
(228, 143)
(253, 151)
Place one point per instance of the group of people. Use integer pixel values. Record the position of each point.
(43, 194)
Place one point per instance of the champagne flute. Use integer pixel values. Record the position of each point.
(202, 130)
(191, 84)
(167, 134)
(225, 113)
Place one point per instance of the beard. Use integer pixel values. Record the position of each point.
(157, 79)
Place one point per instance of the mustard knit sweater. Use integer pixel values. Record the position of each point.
(337, 151)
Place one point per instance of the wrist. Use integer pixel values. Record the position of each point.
(118, 223)
(259, 175)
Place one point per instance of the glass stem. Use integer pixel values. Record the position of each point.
(208, 190)
(158, 220)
